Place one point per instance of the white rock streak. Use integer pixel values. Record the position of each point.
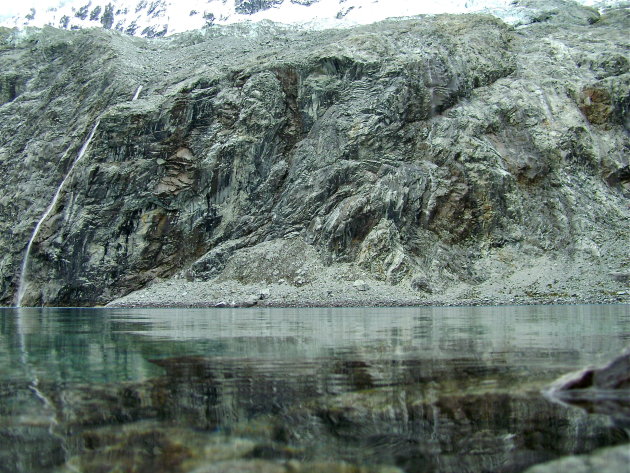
(137, 94)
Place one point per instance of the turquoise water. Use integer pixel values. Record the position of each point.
(405, 389)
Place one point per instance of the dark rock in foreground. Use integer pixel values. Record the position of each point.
(603, 390)
(607, 460)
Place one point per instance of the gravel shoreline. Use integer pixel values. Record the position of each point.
(351, 304)
(286, 274)
(361, 293)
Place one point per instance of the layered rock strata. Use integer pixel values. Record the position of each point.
(451, 150)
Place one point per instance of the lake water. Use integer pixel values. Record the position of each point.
(298, 390)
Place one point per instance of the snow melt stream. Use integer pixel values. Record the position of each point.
(22, 286)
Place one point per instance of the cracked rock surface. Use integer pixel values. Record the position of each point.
(434, 159)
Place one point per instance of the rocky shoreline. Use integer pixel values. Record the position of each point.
(371, 303)
(359, 293)
(285, 277)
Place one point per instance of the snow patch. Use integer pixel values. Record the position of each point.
(165, 17)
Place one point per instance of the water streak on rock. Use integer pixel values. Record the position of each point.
(24, 270)
(137, 94)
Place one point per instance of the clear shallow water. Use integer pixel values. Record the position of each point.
(196, 390)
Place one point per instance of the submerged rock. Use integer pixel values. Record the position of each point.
(614, 376)
(603, 390)
(607, 460)
(349, 413)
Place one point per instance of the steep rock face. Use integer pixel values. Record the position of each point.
(422, 148)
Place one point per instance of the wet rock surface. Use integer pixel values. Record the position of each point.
(608, 460)
(604, 390)
(482, 160)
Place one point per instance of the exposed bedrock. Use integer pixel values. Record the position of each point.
(446, 149)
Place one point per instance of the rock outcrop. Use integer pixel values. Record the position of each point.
(605, 460)
(598, 391)
(452, 150)
(603, 390)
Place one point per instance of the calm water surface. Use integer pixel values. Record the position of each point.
(297, 390)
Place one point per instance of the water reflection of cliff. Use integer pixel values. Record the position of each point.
(419, 416)
(423, 390)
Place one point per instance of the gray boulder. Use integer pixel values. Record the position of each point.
(606, 460)
(603, 390)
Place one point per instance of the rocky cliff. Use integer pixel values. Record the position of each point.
(435, 153)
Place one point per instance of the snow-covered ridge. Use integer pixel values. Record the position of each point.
(152, 18)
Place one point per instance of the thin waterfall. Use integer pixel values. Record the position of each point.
(24, 270)
(137, 94)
